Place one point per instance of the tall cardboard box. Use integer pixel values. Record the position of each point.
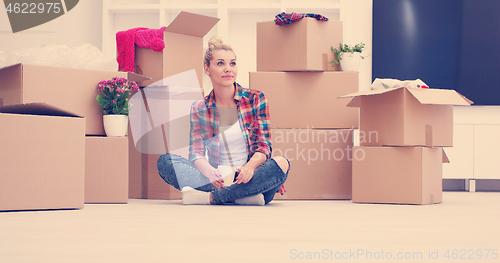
(305, 45)
(144, 180)
(320, 162)
(183, 48)
(71, 89)
(406, 116)
(308, 99)
(160, 123)
(106, 169)
(42, 158)
(397, 175)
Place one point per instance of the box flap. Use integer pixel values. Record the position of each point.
(439, 96)
(136, 77)
(36, 109)
(355, 101)
(445, 157)
(192, 24)
(13, 65)
(424, 96)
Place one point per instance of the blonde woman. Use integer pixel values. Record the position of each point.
(230, 126)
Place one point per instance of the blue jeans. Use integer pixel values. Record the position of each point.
(180, 172)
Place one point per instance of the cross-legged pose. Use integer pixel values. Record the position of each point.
(230, 149)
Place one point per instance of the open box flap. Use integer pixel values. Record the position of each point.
(37, 109)
(439, 96)
(424, 96)
(356, 95)
(136, 77)
(445, 157)
(12, 65)
(192, 24)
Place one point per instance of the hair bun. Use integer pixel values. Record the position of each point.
(214, 41)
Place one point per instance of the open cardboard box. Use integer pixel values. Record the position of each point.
(106, 169)
(183, 49)
(397, 175)
(308, 99)
(305, 45)
(320, 162)
(72, 89)
(406, 116)
(42, 158)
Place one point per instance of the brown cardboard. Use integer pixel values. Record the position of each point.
(406, 116)
(320, 162)
(397, 175)
(305, 45)
(144, 179)
(308, 99)
(71, 89)
(106, 169)
(42, 158)
(183, 49)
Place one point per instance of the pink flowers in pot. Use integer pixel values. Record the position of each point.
(115, 94)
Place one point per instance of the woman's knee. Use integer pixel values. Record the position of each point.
(282, 163)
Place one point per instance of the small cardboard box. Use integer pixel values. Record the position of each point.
(320, 162)
(71, 89)
(305, 45)
(42, 158)
(183, 49)
(308, 99)
(106, 169)
(397, 175)
(406, 116)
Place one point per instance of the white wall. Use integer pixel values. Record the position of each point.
(83, 24)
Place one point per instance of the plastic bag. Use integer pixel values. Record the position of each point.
(85, 56)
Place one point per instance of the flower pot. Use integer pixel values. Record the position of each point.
(350, 61)
(115, 125)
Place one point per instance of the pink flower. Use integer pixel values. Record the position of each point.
(114, 100)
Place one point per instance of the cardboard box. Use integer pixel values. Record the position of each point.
(72, 89)
(305, 45)
(42, 158)
(160, 123)
(106, 169)
(308, 99)
(406, 116)
(183, 49)
(144, 180)
(320, 162)
(397, 175)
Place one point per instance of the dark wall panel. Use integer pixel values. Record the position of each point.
(434, 40)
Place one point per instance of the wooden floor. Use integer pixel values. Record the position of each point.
(464, 225)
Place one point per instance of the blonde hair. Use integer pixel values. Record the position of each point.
(215, 43)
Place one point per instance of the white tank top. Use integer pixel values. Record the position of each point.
(232, 136)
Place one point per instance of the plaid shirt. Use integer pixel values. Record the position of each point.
(253, 113)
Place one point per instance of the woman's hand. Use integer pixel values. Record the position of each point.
(244, 174)
(215, 178)
(208, 171)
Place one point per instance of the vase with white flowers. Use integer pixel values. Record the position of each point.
(113, 99)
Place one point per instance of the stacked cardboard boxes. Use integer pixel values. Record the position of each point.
(310, 126)
(183, 52)
(402, 132)
(48, 154)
